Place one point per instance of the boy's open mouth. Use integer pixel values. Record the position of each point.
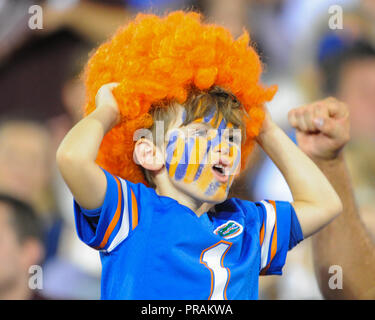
(221, 171)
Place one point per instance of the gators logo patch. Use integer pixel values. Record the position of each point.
(229, 229)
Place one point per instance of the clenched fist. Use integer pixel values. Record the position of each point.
(323, 128)
(105, 100)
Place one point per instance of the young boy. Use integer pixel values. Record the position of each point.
(182, 238)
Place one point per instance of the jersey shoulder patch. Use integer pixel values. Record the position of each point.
(229, 230)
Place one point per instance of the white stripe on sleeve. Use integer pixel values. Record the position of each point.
(124, 228)
(271, 216)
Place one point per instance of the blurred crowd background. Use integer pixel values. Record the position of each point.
(41, 97)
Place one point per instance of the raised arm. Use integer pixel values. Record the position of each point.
(322, 132)
(77, 153)
(94, 21)
(315, 201)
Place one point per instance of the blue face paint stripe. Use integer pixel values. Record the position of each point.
(201, 166)
(171, 146)
(222, 126)
(212, 188)
(211, 144)
(210, 115)
(217, 138)
(185, 159)
(183, 116)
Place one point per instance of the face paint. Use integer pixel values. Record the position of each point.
(192, 153)
(184, 164)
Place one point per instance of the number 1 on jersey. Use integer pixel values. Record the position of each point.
(212, 258)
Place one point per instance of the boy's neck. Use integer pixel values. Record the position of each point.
(168, 190)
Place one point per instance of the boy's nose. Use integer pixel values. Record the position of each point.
(222, 147)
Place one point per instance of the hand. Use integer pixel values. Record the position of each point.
(105, 99)
(267, 126)
(323, 128)
(55, 19)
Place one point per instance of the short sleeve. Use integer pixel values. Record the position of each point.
(106, 227)
(280, 231)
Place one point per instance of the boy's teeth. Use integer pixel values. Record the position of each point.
(219, 168)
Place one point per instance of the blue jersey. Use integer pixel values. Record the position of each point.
(152, 247)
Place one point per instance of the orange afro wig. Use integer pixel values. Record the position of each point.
(160, 59)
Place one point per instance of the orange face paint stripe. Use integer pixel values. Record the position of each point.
(235, 154)
(115, 218)
(219, 119)
(205, 178)
(231, 151)
(195, 161)
(134, 210)
(198, 110)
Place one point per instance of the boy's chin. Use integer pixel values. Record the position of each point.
(219, 197)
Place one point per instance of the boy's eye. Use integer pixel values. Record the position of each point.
(234, 139)
(200, 132)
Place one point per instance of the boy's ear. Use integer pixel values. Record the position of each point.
(147, 155)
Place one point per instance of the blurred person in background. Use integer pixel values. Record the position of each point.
(230, 14)
(21, 246)
(90, 19)
(35, 59)
(26, 165)
(349, 74)
(26, 162)
(159, 6)
(323, 129)
(347, 70)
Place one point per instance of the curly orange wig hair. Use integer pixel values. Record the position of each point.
(158, 59)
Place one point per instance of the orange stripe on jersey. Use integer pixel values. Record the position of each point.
(274, 240)
(115, 218)
(134, 210)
